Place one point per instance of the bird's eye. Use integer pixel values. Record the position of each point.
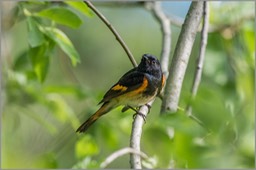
(153, 62)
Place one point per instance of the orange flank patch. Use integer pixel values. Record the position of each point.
(119, 87)
(163, 80)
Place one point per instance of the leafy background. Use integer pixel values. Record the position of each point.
(58, 59)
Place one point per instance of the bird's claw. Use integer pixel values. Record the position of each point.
(149, 107)
(142, 115)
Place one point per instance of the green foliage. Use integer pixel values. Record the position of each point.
(28, 93)
(43, 36)
(64, 43)
(39, 60)
(80, 6)
(35, 36)
(61, 16)
(86, 146)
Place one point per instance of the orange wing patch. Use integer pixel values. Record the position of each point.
(142, 88)
(119, 87)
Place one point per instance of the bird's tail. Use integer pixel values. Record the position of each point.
(102, 110)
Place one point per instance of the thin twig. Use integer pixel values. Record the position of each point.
(112, 29)
(166, 33)
(181, 57)
(120, 153)
(200, 60)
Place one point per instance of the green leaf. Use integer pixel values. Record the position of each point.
(21, 63)
(62, 16)
(86, 146)
(35, 36)
(80, 6)
(40, 62)
(64, 43)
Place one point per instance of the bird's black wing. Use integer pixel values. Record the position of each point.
(130, 81)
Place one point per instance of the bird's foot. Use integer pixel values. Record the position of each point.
(142, 115)
(149, 107)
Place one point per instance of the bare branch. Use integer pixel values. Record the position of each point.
(200, 60)
(135, 160)
(181, 57)
(112, 29)
(175, 20)
(166, 33)
(120, 153)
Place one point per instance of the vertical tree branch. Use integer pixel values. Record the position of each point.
(113, 30)
(181, 57)
(135, 160)
(200, 60)
(166, 33)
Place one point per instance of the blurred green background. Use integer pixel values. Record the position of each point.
(39, 118)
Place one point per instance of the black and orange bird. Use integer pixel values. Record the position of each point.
(135, 88)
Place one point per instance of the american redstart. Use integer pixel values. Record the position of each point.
(135, 88)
